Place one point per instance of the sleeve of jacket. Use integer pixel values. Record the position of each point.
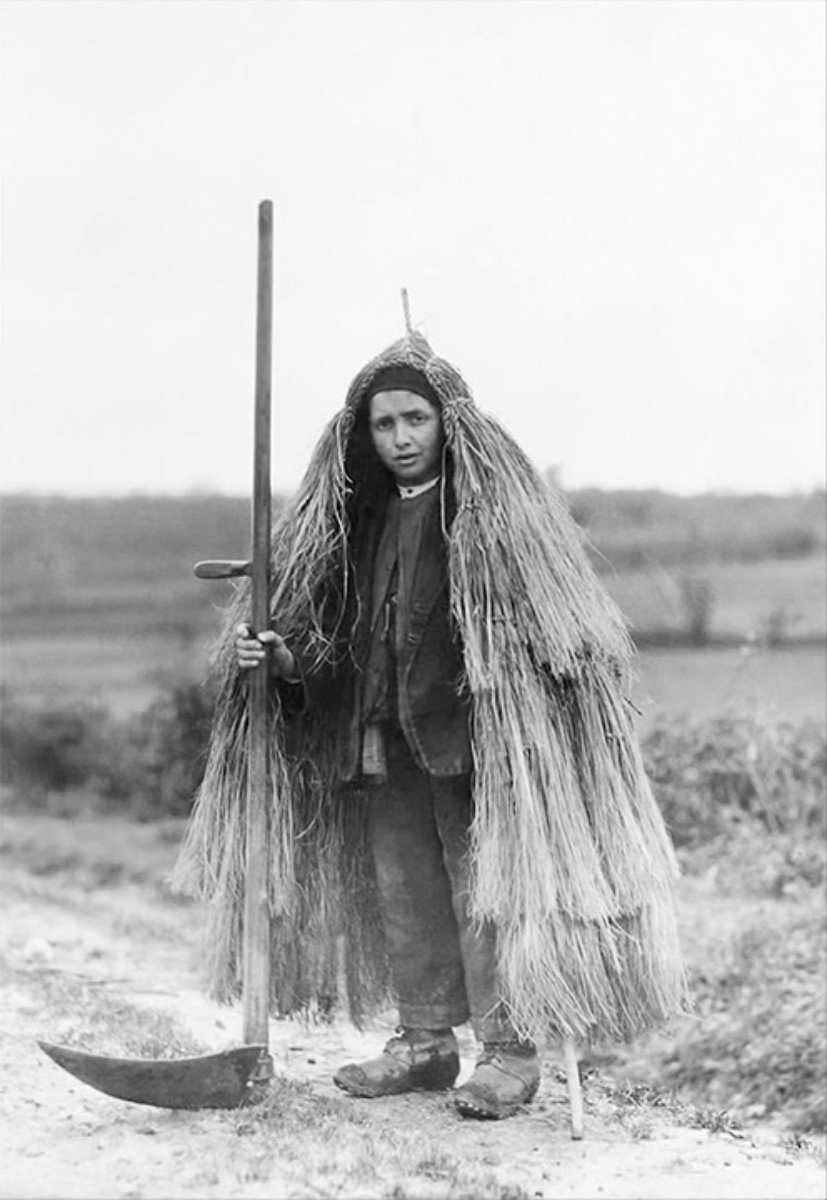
(312, 684)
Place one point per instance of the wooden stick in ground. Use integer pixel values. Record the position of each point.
(575, 1092)
(256, 946)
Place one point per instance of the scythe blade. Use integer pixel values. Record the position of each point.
(211, 1081)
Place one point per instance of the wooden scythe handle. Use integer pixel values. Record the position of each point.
(256, 948)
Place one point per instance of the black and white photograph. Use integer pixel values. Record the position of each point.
(413, 600)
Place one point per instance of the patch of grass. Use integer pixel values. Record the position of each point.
(625, 1096)
(711, 681)
(713, 775)
(715, 1120)
(796, 1144)
(639, 1128)
(88, 1016)
(638, 526)
(750, 861)
(759, 1045)
(755, 1046)
(464, 1186)
(156, 927)
(254, 1168)
(92, 851)
(62, 746)
(769, 602)
(291, 1105)
(151, 763)
(343, 1143)
(637, 1105)
(644, 1095)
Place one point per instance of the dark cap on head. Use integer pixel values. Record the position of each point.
(402, 378)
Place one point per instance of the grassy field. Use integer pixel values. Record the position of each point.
(780, 599)
(121, 673)
(775, 599)
(124, 674)
(119, 566)
(766, 624)
(789, 680)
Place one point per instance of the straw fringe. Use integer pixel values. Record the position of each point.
(569, 853)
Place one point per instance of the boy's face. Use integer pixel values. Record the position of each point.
(406, 430)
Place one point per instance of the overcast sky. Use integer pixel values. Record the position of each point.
(609, 215)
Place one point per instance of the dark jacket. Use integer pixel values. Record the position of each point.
(433, 708)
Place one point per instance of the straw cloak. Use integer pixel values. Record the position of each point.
(569, 855)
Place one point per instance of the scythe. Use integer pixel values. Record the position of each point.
(241, 1075)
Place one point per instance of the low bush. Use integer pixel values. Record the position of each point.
(150, 764)
(63, 746)
(750, 861)
(716, 775)
(759, 1045)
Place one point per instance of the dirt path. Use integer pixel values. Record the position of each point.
(63, 947)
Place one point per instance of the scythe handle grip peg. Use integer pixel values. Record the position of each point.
(222, 568)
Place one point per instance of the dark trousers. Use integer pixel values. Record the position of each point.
(443, 965)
